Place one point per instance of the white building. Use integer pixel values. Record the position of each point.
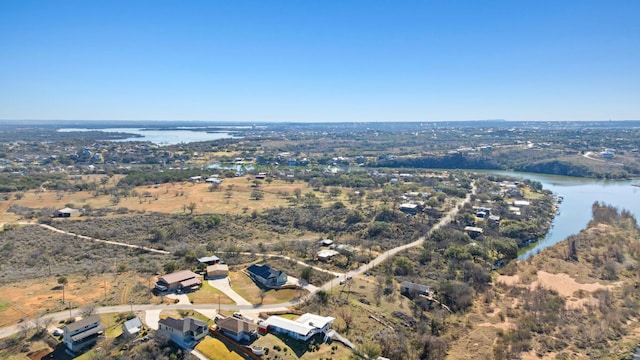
(304, 328)
(82, 333)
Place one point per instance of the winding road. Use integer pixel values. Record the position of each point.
(56, 317)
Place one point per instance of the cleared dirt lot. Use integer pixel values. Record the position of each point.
(29, 298)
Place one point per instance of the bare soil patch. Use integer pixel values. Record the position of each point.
(36, 297)
(564, 284)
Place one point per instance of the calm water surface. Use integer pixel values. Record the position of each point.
(579, 194)
(163, 137)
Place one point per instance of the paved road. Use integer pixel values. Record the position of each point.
(10, 330)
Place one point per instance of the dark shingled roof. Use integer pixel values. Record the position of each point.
(263, 271)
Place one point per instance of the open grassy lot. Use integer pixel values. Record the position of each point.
(232, 197)
(245, 287)
(207, 294)
(34, 297)
(217, 349)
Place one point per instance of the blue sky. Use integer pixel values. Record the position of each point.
(320, 60)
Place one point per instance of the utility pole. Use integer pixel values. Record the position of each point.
(70, 311)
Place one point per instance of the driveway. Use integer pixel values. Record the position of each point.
(151, 318)
(222, 284)
(182, 298)
(302, 283)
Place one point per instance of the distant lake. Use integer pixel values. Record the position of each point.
(579, 194)
(165, 137)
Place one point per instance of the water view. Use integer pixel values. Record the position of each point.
(579, 194)
(163, 137)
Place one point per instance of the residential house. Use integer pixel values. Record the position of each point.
(266, 276)
(184, 332)
(237, 329)
(67, 212)
(180, 280)
(473, 231)
(209, 260)
(326, 254)
(83, 333)
(412, 289)
(132, 327)
(217, 271)
(214, 180)
(326, 242)
(304, 328)
(410, 209)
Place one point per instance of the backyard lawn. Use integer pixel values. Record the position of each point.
(245, 287)
(216, 349)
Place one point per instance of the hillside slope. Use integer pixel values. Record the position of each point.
(577, 299)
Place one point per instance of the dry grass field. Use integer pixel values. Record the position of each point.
(30, 298)
(232, 197)
(216, 349)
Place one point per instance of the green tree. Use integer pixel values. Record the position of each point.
(170, 267)
(306, 273)
(256, 195)
(62, 280)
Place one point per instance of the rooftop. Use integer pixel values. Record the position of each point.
(263, 271)
(236, 325)
(183, 325)
(207, 259)
(133, 326)
(303, 325)
(178, 276)
(83, 323)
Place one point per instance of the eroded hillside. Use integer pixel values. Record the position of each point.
(578, 299)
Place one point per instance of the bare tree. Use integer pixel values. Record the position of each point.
(347, 316)
(191, 207)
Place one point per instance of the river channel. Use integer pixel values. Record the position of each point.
(575, 210)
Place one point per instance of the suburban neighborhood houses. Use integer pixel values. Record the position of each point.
(331, 261)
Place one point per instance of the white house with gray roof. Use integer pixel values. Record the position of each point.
(83, 333)
(304, 328)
